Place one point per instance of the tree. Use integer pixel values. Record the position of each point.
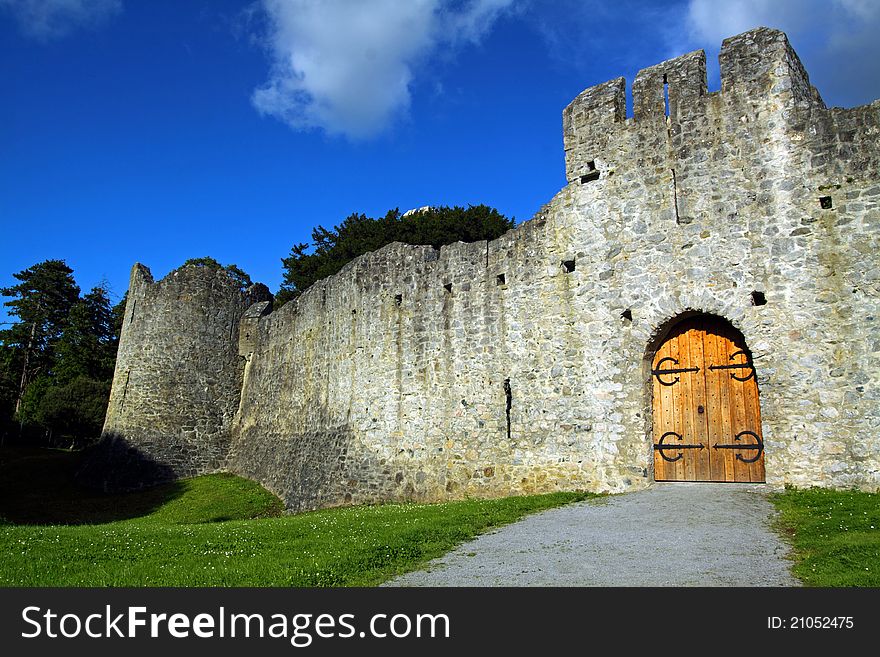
(118, 312)
(235, 273)
(56, 363)
(74, 410)
(41, 301)
(87, 346)
(331, 250)
(9, 365)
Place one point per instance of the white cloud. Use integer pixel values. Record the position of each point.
(474, 20)
(836, 38)
(45, 20)
(713, 21)
(346, 66)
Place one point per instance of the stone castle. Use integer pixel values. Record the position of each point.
(528, 363)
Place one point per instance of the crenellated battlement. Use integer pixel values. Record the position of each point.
(761, 63)
(673, 88)
(758, 68)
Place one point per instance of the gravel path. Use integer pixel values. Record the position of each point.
(668, 535)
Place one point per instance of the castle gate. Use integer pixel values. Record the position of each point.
(706, 411)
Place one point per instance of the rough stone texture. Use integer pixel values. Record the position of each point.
(178, 377)
(682, 534)
(489, 368)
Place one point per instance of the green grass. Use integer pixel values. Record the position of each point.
(217, 530)
(37, 487)
(835, 535)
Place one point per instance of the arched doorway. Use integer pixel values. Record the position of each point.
(706, 412)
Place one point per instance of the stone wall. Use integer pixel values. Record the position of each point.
(178, 377)
(523, 364)
(721, 198)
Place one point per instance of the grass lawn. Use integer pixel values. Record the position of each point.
(835, 535)
(216, 530)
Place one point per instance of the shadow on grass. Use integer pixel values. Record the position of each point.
(40, 487)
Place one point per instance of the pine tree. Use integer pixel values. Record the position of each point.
(234, 271)
(56, 363)
(331, 250)
(42, 302)
(87, 347)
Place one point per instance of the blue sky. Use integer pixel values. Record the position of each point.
(164, 130)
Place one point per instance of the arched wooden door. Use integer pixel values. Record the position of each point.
(706, 412)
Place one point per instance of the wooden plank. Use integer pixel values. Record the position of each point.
(699, 402)
(678, 391)
(753, 413)
(671, 410)
(739, 417)
(709, 401)
(679, 402)
(658, 417)
(690, 356)
(671, 417)
(680, 351)
(668, 418)
(713, 403)
(687, 397)
(725, 435)
(748, 415)
(664, 416)
(760, 467)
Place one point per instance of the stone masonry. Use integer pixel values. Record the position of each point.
(522, 365)
(178, 376)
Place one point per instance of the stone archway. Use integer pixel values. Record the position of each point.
(706, 412)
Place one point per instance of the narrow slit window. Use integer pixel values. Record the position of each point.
(398, 299)
(759, 298)
(568, 266)
(627, 315)
(825, 202)
(508, 396)
(448, 288)
(500, 279)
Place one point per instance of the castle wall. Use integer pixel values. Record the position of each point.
(354, 397)
(380, 383)
(523, 364)
(178, 376)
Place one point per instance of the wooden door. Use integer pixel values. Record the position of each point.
(706, 412)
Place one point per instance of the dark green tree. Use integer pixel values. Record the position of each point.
(331, 250)
(235, 272)
(28, 414)
(41, 301)
(87, 346)
(9, 366)
(56, 362)
(74, 411)
(118, 317)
